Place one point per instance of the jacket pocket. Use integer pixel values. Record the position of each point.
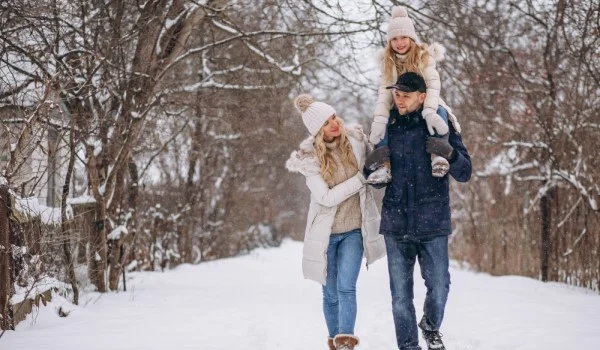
(393, 217)
(314, 250)
(319, 213)
(433, 198)
(323, 214)
(432, 190)
(432, 216)
(372, 229)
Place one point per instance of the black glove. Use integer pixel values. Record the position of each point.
(377, 158)
(379, 185)
(439, 146)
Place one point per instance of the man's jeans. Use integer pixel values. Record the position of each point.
(433, 260)
(344, 257)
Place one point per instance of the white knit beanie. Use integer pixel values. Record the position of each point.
(314, 113)
(400, 24)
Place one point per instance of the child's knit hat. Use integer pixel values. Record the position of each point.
(400, 24)
(314, 113)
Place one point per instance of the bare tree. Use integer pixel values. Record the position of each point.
(122, 69)
(524, 79)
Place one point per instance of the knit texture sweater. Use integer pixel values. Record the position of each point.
(348, 216)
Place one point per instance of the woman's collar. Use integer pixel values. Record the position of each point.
(333, 144)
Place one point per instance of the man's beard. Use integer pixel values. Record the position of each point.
(406, 111)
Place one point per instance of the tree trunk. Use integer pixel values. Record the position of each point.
(191, 194)
(5, 280)
(134, 180)
(115, 264)
(526, 239)
(98, 250)
(116, 245)
(546, 245)
(98, 253)
(64, 227)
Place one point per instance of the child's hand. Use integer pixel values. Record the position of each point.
(378, 128)
(435, 123)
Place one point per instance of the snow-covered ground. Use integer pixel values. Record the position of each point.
(261, 302)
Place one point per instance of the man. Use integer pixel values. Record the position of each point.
(415, 218)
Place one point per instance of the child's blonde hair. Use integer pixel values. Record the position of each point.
(416, 61)
(325, 157)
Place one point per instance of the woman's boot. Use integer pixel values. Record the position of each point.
(330, 343)
(345, 342)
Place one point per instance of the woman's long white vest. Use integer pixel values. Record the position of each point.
(324, 202)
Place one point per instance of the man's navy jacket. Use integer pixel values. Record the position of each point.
(416, 205)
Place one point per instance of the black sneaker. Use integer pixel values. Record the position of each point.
(434, 340)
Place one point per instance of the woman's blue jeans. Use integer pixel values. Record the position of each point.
(344, 257)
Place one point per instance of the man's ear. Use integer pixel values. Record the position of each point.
(422, 97)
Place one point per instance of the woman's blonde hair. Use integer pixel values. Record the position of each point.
(416, 60)
(325, 157)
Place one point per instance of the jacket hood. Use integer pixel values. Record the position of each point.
(304, 160)
(436, 50)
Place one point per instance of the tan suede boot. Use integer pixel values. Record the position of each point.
(345, 341)
(330, 343)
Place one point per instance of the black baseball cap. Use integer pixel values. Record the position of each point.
(409, 82)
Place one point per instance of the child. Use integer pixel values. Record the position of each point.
(403, 54)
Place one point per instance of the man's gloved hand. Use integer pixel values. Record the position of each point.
(378, 128)
(439, 146)
(435, 123)
(377, 158)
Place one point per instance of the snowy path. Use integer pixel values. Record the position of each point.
(261, 302)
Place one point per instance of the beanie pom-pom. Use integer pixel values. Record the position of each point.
(399, 11)
(303, 101)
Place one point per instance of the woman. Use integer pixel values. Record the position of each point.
(343, 219)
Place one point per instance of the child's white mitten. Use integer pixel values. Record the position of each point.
(378, 128)
(435, 123)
